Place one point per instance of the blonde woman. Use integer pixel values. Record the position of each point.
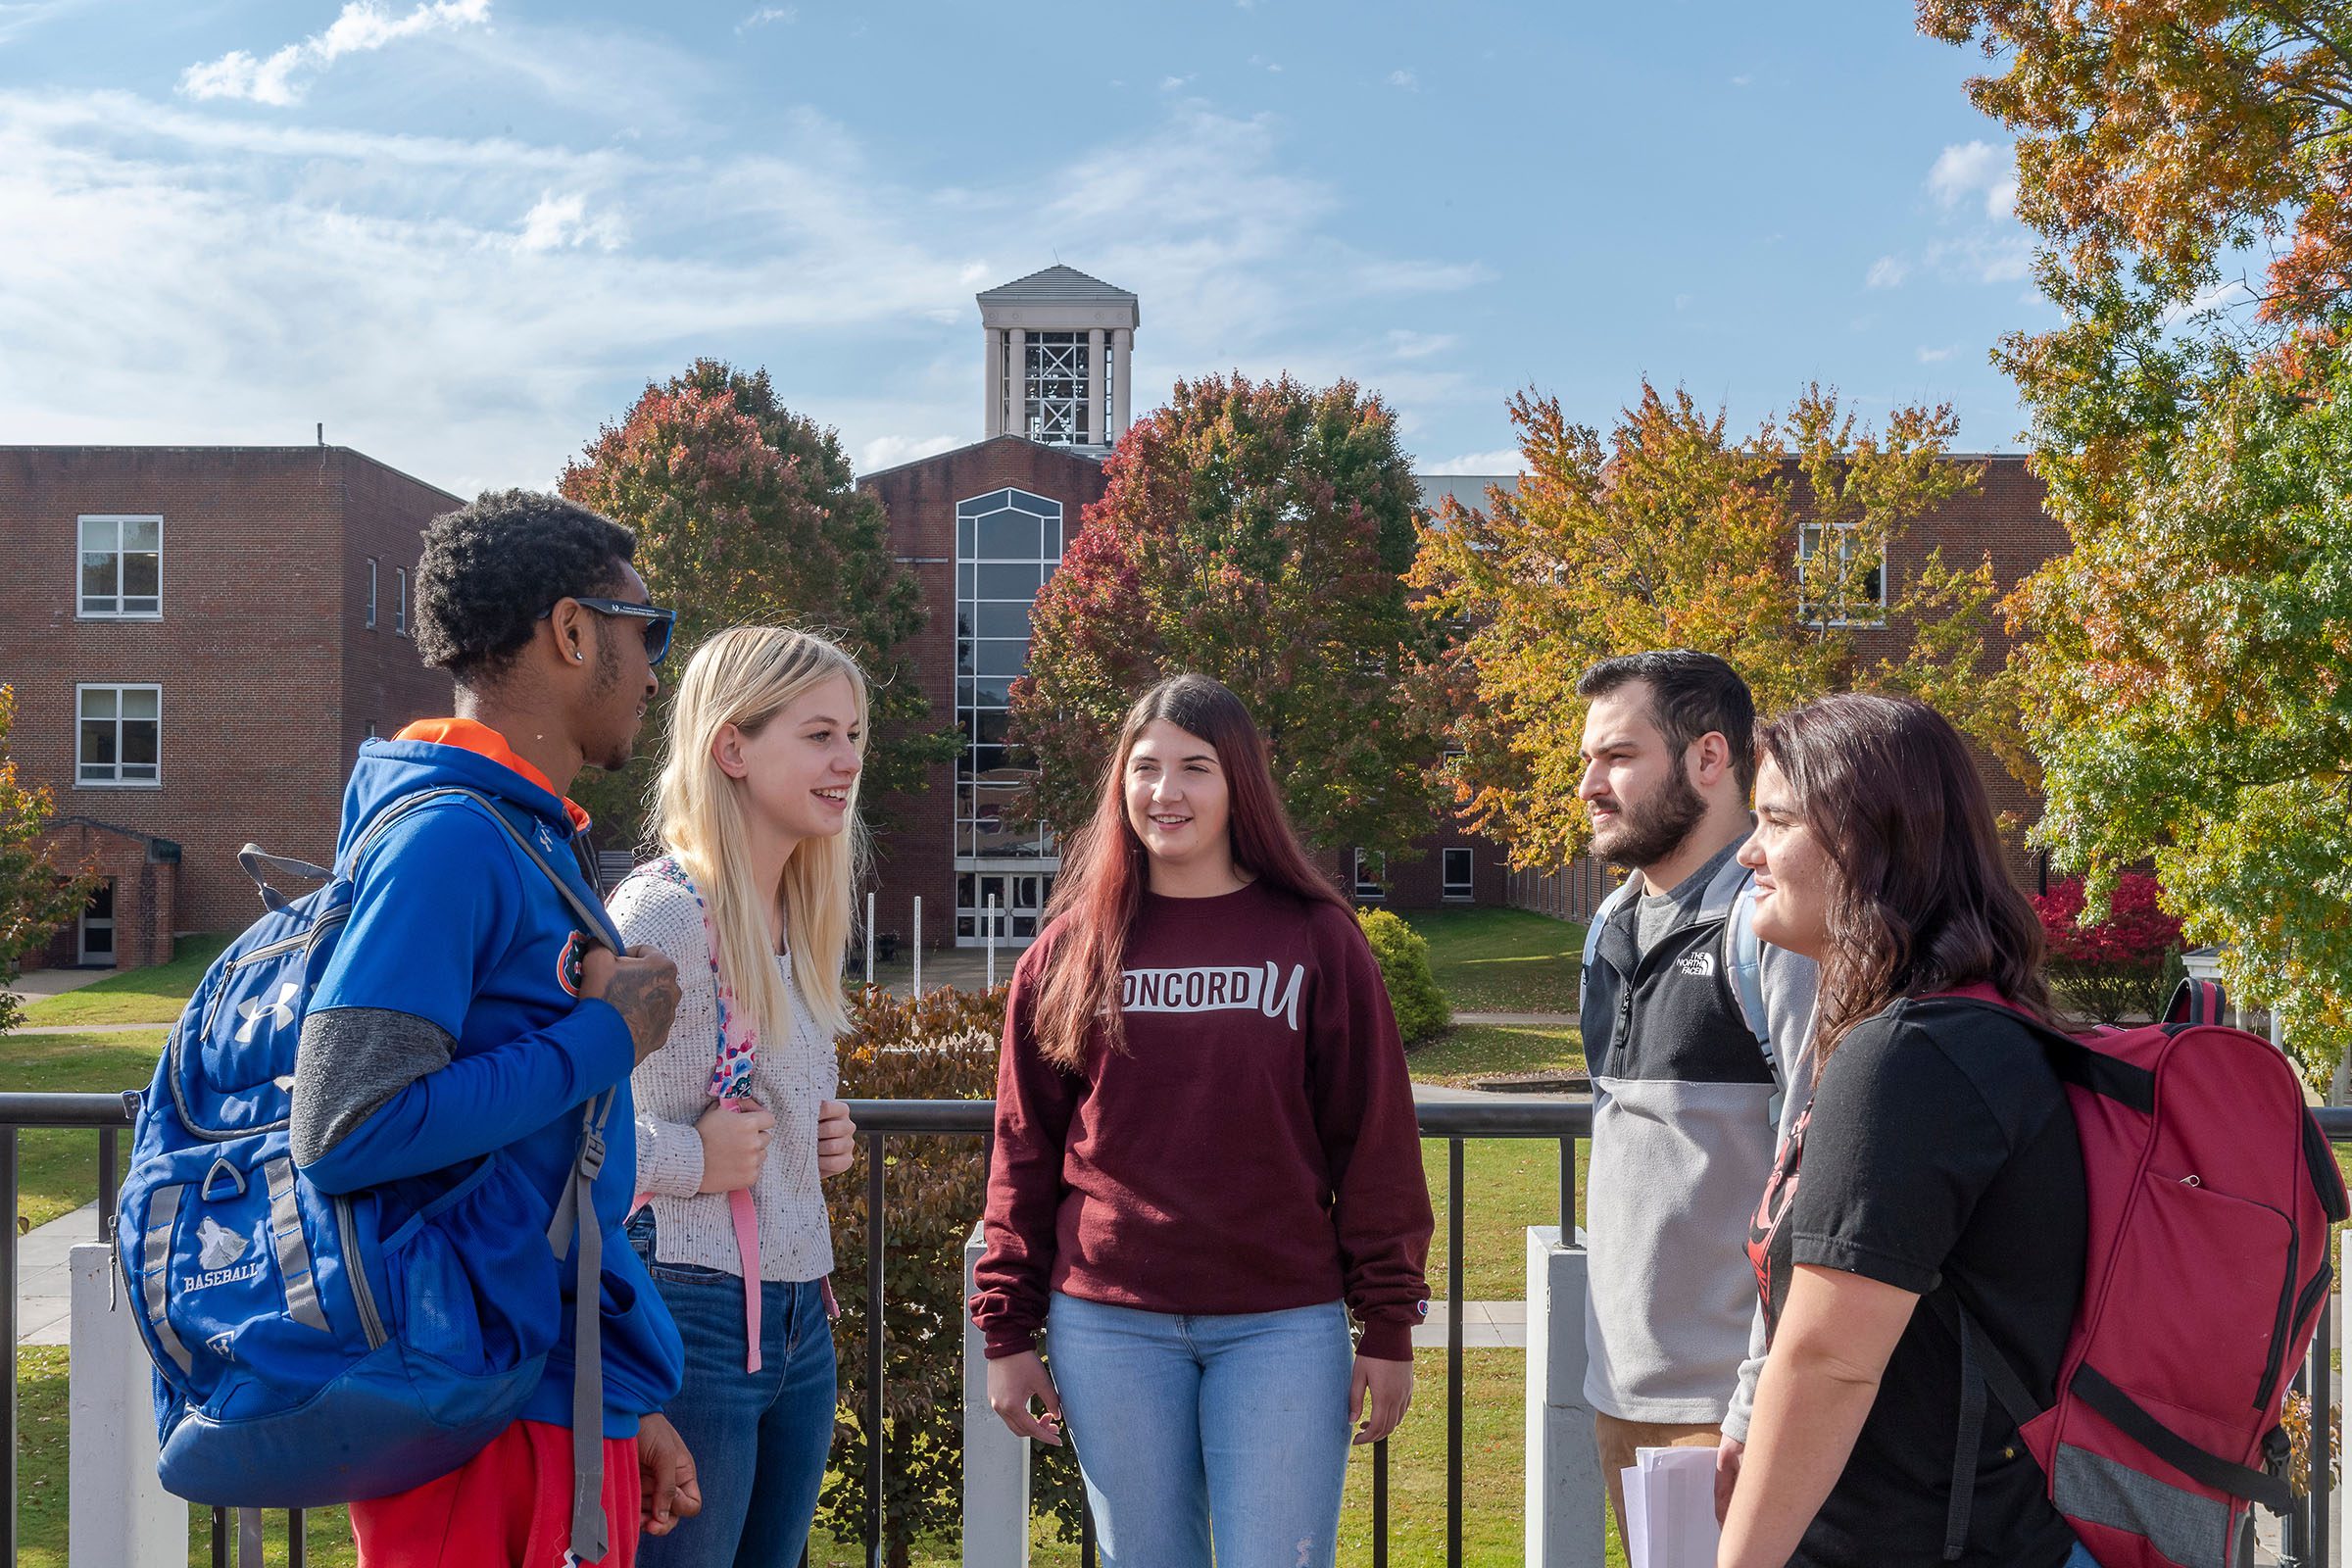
(736, 1124)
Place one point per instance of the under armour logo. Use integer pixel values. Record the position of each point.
(281, 1011)
(218, 1345)
(222, 1246)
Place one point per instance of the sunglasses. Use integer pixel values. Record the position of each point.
(658, 622)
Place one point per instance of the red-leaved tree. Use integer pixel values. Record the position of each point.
(2113, 967)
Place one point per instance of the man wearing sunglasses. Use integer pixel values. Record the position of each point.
(466, 1017)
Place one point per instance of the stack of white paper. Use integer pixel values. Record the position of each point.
(1670, 1509)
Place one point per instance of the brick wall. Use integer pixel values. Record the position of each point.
(385, 683)
(145, 873)
(257, 594)
(914, 849)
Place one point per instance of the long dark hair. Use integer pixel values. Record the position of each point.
(1921, 900)
(1104, 877)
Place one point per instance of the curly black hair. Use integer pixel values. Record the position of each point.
(490, 570)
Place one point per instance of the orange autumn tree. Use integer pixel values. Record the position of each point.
(2186, 167)
(1674, 533)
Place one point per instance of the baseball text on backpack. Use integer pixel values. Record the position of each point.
(303, 1356)
(2212, 1195)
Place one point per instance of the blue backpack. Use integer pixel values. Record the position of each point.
(304, 1356)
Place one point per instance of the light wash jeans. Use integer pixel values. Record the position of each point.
(1187, 1428)
(2080, 1557)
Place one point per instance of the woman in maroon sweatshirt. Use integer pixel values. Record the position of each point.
(1206, 1159)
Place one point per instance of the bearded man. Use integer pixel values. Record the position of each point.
(1693, 1032)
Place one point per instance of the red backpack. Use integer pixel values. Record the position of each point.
(2213, 1195)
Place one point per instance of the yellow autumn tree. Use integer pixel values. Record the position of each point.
(1672, 533)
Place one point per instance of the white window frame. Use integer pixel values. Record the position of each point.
(81, 781)
(371, 593)
(1446, 880)
(81, 611)
(399, 601)
(1370, 889)
(1808, 541)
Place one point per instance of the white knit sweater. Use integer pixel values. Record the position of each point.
(673, 1087)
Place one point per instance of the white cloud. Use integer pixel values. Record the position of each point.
(1741, 81)
(362, 27)
(1936, 356)
(889, 451)
(1173, 83)
(1888, 271)
(555, 223)
(481, 306)
(1991, 257)
(768, 14)
(1405, 80)
(1407, 345)
(1263, 63)
(1506, 459)
(1975, 170)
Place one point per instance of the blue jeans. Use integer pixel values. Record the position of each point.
(1188, 1427)
(2080, 1557)
(760, 1439)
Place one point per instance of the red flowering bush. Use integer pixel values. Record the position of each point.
(2116, 967)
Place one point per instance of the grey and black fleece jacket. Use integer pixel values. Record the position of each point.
(1686, 1101)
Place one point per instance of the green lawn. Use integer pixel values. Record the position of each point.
(136, 996)
(1481, 1051)
(1507, 1185)
(1503, 961)
(58, 1167)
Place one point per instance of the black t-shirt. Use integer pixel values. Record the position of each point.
(1938, 1151)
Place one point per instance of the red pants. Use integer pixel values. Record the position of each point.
(509, 1507)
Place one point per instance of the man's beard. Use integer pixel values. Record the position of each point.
(1648, 830)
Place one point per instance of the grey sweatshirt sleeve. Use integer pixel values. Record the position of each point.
(1790, 984)
(351, 1061)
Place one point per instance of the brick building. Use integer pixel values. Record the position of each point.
(982, 528)
(199, 638)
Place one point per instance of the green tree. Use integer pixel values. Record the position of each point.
(1256, 531)
(747, 513)
(2186, 666)
(1674, 533)
(37, 895)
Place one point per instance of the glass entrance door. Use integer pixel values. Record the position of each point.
(1020, 904)
(98, 926)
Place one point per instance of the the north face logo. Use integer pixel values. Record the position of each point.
(222, 1246)
(1702, 964)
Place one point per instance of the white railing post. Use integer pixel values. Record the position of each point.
(918, 944)
(1566, 1499)
(995, 1463)
(870, 938)
(116, 1512)
(992, 941)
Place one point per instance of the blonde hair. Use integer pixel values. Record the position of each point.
(746, 676)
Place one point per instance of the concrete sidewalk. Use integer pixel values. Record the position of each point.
(44, 1281)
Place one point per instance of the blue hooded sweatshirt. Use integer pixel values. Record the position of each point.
(446, 1027)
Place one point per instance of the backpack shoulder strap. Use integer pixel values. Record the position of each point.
(1619, 897)
(594, 920)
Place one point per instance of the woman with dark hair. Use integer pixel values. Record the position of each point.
(1205, 1143)
(1938, 1159)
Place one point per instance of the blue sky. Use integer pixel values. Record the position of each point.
(464, 233)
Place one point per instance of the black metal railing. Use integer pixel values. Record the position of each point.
(2305, 1534)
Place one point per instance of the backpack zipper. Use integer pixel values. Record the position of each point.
(355, 1266)
(2275, 1363)
(172, 1046)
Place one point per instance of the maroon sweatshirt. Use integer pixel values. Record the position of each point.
(1253, 1149)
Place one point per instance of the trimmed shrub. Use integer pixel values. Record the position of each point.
(942, 1047)
(1403, 953)
(2118, 968)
